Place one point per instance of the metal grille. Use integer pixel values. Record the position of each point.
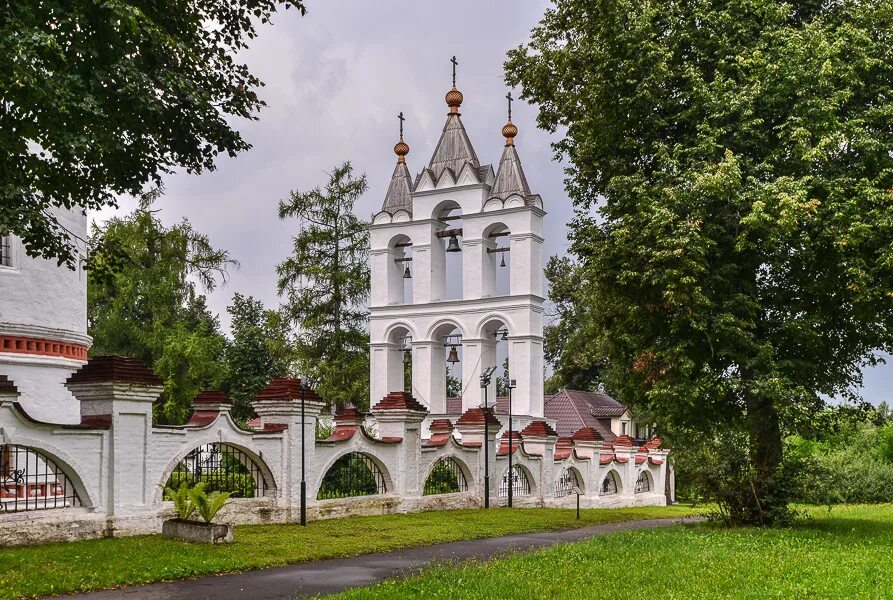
(221, 468)
(446, 478)
(354, 474)
(567, 481)
(5, 251)
(609, 485)
(643, 483)
(520, 483)
(31, 481)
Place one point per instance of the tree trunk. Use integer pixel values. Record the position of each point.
(766, 501)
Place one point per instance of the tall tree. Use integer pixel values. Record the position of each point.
(569, 350)
(148, 305)
(325, 283)
(258, 351)
(740, 263)
(99, 99)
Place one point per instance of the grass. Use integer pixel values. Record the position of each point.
(842, 554)
(96, 564)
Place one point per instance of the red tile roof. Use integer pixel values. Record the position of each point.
(653, 443)
(563, 448)
(441, 425)
(572, 409)
(504, 443)
(539, 429)
(349, 414)
(122, 369)
(399, 401)
(623, 440)
(438, 439)
(202, 418)
(588, 434)
(605, 459)
(475, 416)
(285, 388)
(212, 397)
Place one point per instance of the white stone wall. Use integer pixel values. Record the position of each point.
(117, 471)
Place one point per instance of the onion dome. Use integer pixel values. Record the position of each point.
(509, 131)
(454, 99)
(401, 150)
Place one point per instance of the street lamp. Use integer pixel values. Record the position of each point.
(485, 382)
(511, 385)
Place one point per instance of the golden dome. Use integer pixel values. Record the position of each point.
(401, 150)
(454, 99)
(509, 131)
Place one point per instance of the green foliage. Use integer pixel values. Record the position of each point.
(148, 307)
(114, 562)
(325, 283)
(207, 504)
(237, 484)
(349, 476)
(182, 499)
(441, 480)
(837, 555)
(730, 167)
(258, 351)
(453, 384)
(100, 99)
(571, 354)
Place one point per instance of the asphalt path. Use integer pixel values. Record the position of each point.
(336, 575)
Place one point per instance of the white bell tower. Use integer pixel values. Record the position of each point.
(421, 307)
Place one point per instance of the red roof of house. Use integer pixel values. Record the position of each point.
(122, 369)
(572, 410)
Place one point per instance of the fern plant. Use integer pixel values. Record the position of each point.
(207, 505)
(182, 499)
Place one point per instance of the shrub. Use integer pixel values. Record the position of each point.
(207, 505)
(182, 500)
(239, 485)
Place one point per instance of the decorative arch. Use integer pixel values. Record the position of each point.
(448, 475)
(522, 482)
(644, 482)
(389, 332)
(569, 478)
(611, 484)
(440, 325)
(32, 479)
(352, 474)
(221, 466)
(481, 328)
(443, 207)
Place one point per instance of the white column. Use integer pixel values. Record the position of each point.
(429, 374)
(526, 264)
(477, 355)
(380, 370)
(421, 269)
(473, 254)
(526, 367)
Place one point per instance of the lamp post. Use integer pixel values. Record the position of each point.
(485, 382)
(511, 385)
(303, 481)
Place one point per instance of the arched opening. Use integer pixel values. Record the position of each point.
(400, 360)
(644, 482)
(224, 468)
(567, 481)
(31, 480)
(496, 267)
(400, 271)
(610, 484)
(447, 364)
(354, 474)
(519, 481)
(446, 254)
(446, 477)
(495, 352)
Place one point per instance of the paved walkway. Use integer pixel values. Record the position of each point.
(336, 575)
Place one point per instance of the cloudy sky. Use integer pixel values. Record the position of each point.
(335, 81)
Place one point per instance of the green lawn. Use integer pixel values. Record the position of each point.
(77, 566)
(845, 554)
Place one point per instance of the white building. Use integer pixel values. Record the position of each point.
(458, 206)
(43, 323)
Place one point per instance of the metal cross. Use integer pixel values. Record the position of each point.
(455, 62)
(509, 96)
(400, 116)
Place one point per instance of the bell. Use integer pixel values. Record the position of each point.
(407, 357)
(505, 335)
(407, 274)
(453, 358)
(502, 260)
(453, 246)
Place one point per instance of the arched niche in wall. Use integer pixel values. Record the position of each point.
(400, 270)
(447, 266)
(496, 261)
